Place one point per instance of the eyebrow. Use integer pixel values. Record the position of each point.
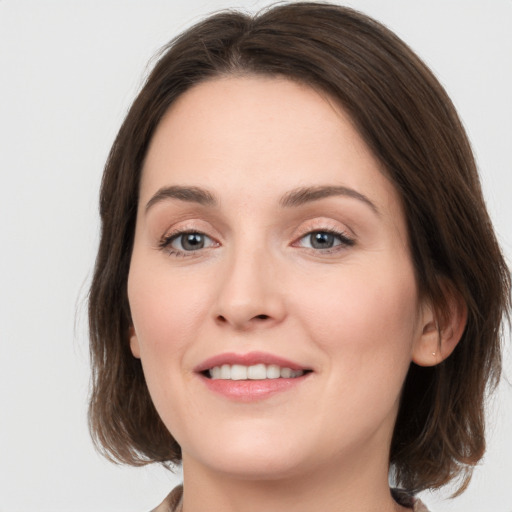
(188, 194)
(305, 195)
(291, 199)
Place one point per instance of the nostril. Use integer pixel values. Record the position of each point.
(240, 323)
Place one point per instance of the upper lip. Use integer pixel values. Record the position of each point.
(249, 359)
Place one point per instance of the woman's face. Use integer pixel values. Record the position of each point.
(273, 297)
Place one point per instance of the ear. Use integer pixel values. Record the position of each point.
(440, 333)
(134, 342)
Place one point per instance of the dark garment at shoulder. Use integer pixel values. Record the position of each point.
(402, 497)
(408, 500)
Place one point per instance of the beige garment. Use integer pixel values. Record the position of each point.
(419, 507)
(174, 502)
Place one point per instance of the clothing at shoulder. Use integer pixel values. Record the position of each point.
(174, 501)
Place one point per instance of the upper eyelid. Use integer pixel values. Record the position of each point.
(324, 224)
(190, 226)
(173, 235)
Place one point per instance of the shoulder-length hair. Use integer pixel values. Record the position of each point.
(409, 123)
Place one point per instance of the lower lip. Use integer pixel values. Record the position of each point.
(252, 390)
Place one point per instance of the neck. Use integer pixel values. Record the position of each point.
(360, 486)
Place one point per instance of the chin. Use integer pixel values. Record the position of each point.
(250, 456)
(254, 467)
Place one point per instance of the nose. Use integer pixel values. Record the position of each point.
(250, 293)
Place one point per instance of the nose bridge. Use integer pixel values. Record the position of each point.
(249, 290)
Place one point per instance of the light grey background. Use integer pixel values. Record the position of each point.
(68, 72)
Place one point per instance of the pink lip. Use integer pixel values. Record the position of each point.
(247, 360)
(249, 390)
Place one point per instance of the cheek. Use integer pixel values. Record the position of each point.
(168, 317)
(365, 326)
(366, 318)
(166, 312)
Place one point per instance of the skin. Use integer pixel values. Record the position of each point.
(352, 314)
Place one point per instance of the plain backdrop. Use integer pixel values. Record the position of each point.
(68, 72)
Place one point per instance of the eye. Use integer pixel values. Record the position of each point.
(325, 240)
(186, 241)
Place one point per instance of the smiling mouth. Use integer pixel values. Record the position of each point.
(253, 372)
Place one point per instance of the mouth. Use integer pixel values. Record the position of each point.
(254, 372)
(253, 376)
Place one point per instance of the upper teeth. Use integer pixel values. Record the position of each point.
(254, 372)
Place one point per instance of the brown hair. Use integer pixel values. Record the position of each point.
(410, 124)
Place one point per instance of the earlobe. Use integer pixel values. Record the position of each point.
(440, 334)
(134, 343)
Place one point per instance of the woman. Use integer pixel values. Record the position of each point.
(297, 287)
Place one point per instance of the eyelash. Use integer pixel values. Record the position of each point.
(167, 240)
(344, 239)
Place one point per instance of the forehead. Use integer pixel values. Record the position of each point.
(258, 136)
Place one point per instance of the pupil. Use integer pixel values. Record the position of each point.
(193, 241)
(322, 240)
